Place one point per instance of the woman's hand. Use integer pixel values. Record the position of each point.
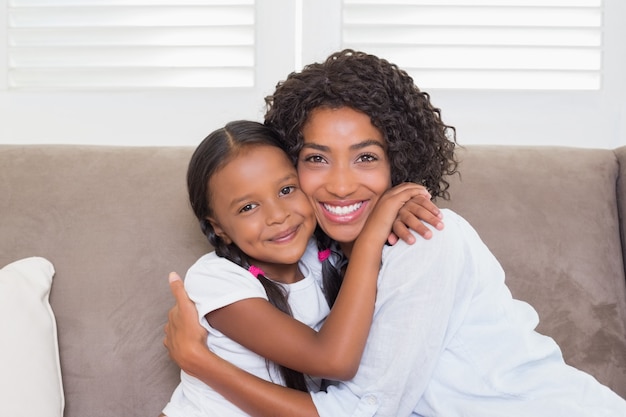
(410, 216)
(185, 338)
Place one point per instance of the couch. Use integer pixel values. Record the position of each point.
(114, 221)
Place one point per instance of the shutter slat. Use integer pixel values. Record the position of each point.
(472, 16)
(506, 80)
(543, 3)
(130, 16)
(454, 35)
(96, 3)
(86, 57)
(170, 36)
(130, 78)
(520, 58)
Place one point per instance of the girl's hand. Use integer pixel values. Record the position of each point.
(185, 338)
(410, 216)
(391, 210)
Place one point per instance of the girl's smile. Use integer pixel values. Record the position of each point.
(343, 169)
(285, 236)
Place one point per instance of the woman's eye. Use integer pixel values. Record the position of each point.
(316, 159)
(367, 158)
(287, 190)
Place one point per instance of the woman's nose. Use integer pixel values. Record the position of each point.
(341, 182)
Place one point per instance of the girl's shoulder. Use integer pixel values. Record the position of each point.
(213, 282)
(219, 274)
(211, 261)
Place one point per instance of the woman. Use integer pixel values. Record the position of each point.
(447, 338)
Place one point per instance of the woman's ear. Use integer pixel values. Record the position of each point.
(219, 231)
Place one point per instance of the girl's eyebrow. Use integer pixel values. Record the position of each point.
(355, 147)
(291, 176)
(237, 201)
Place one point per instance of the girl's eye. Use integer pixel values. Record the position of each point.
(247, 207)
(287, 190)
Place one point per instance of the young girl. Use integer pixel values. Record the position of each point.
(244, 190)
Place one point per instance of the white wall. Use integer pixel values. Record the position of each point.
(184, 117)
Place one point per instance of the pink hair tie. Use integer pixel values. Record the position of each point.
(323, 255)
(256, 271)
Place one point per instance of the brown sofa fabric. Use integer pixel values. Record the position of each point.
(115, 220)
(550, 216)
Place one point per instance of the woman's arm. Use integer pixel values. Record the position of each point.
(335, 351)
(185, 341)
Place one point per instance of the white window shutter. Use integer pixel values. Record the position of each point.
(483, 44)
(94, 44)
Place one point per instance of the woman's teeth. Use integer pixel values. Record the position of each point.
(343, 210)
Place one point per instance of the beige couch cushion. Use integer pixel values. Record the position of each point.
(114, 222)
(550, 216)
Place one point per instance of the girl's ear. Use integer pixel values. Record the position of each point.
(219, 231)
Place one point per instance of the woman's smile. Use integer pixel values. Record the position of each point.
(343, 212)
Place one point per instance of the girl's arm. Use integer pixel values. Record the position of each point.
(417, 210)
(335, 350)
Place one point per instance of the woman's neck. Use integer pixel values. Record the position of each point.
(346, 248)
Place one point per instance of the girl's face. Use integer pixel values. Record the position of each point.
(343, 169)
(258, 205)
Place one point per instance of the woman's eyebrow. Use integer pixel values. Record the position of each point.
(366, 143)
(356, 146)
(315, 146)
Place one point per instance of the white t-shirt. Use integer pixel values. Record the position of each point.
(214, 282)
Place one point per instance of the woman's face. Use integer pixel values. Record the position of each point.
(343, 169)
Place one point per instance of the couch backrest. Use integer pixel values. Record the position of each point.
(114, 221)
(550, 216)
(620, 153)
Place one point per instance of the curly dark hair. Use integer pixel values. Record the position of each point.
(420, 146)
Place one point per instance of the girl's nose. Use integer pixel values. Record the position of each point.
(276, 212)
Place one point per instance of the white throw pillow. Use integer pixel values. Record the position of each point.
(30, 372)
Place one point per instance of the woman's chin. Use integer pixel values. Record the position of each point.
(344, 234)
